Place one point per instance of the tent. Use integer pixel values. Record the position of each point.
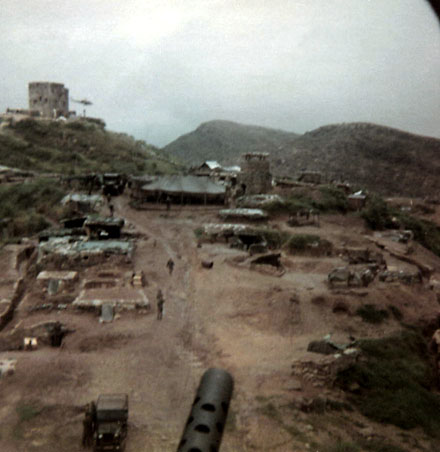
(185, 188)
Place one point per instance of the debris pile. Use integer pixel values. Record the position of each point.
(7, 367)
(258, 201)
(323, 371)
(243, 214)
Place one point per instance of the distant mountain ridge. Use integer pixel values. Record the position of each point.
(382, 159)
(226, 141)
(379, 158)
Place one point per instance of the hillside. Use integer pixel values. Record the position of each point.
(225, 141)
(381, 159)
(76, 147)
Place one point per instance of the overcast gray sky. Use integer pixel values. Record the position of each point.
(156, 69)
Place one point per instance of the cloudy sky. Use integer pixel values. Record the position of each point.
(156, 69)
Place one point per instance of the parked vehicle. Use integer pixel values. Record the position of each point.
(111, 422)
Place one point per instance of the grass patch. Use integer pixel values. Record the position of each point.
(269, 410)
(395, 382)
(26, 411)
(370, 314)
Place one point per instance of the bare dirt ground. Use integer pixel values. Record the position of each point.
(249, 322)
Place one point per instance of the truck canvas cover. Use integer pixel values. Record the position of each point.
(112, 407)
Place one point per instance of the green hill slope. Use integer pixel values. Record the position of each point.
(64, 148)
(77, 147)
(225, 141)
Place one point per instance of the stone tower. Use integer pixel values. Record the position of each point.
(255, 177)
(50, 99)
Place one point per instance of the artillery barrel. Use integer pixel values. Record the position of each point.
(206, 422)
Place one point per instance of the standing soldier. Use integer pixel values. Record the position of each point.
(170, 265)
(94, 416)
(57, 334)
(87, 438)
(160, 303)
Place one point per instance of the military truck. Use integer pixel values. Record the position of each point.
(111, 422)
(113, 184)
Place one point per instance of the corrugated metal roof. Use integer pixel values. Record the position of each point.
(80, 197)
(212, 164)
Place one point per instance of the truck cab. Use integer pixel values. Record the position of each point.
(111, 422)
(113, 184)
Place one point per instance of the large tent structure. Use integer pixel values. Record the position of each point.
(180, 188)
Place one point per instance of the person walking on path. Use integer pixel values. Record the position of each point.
(170, 266)
(160, 303)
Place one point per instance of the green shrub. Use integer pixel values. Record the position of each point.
(394, 382)
(198, 232)
(370, 314)
(14, 199)
(377, 214)
(299, 242)
(28, 204)
(425, 232)
(79, 125)
(28, 224)
(332, 200)
(296, 203)
(276, 207)
(275, 239)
